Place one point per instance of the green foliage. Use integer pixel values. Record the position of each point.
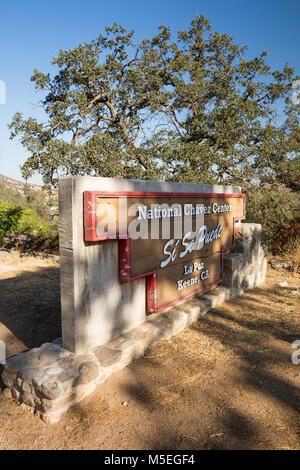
(30, 222)
(273, 207)
(15, 219)
(191, 109)
(9, 218)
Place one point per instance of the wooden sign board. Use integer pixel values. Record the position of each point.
(175, 240)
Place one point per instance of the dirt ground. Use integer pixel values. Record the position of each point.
(227, 382)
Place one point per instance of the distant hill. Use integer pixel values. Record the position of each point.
(29, 196)
(17, 186)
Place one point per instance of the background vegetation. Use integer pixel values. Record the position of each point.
(33, 212)
(192, 107)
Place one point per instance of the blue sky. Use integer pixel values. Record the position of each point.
(32, 32)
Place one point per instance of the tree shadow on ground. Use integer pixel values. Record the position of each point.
(182, 397)
(257, 341)
(30, 309)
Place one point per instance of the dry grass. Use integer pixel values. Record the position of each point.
(227, 382)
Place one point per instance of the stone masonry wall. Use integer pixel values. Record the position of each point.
(49, 380)
(245, 266)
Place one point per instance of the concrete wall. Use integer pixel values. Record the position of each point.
(96, 306)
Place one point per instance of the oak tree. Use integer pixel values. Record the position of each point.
(191, 108)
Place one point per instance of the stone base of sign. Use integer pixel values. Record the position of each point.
(49, 380)
(246, 265)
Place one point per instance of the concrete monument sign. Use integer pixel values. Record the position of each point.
(96, 305)
(110, 257)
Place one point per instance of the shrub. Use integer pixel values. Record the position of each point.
(30, 222)
(273, 208)
(9, 217)
(15, 219)
(288, 239)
